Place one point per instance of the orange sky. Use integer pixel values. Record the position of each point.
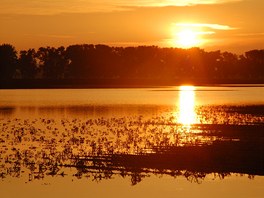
(233, 25)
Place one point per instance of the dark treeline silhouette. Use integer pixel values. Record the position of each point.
(93, 64)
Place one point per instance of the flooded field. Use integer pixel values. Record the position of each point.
(184, 141)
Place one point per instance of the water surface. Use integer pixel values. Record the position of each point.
(181, 141)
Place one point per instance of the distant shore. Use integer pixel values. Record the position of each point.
(118, 83)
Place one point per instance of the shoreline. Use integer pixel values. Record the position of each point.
(120, 83)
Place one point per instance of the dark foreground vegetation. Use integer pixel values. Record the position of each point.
(105, 66)
(222, 158)
(133, 147)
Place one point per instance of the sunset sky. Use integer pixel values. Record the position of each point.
(232, 25)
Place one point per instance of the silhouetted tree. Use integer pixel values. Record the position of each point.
(8, 61)
(255, 62)
(229, 63)
(79, 60)
(28, 63)
(52, 62)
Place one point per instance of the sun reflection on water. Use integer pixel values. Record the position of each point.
(187, 115)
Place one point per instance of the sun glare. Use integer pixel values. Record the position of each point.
(187, 35)
(187, 38)
(187, 115)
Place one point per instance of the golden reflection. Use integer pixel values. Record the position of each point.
(187, 115)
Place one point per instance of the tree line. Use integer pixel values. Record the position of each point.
(89, 61)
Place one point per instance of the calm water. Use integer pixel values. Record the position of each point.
(170, 141)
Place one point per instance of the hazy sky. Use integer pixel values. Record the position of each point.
(233, 25)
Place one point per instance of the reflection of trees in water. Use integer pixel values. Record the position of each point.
(129, 147)
(6, 111)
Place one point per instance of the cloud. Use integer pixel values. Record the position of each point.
(82, 6)
(205, 33)
(172, 2)
(50, 7)
(259, 34)
(206, 25)
(56, 36)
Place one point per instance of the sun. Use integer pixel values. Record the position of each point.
(187, 38)
(186, 35)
